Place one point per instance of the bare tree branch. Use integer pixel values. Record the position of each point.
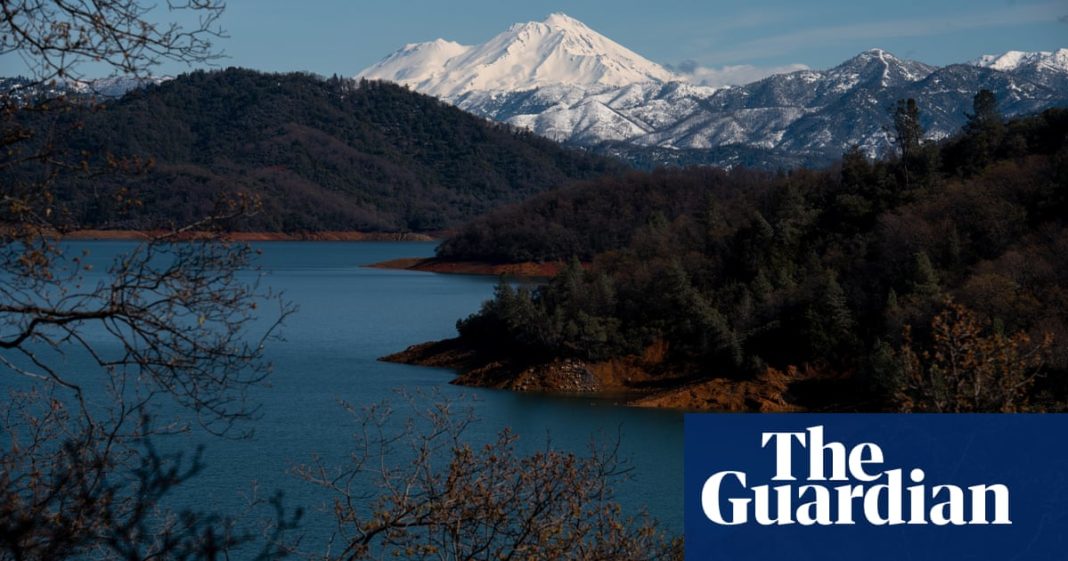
(422, 492)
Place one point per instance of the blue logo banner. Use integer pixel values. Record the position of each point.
(876, 487)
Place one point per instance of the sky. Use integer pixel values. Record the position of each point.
(721, 40)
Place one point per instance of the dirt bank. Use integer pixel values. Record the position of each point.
(631, 380)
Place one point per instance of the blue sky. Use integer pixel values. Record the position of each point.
(339, 36)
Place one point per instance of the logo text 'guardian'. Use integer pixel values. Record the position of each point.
(845, 486)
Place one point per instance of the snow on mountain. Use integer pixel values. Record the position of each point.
(877, 64)
(558, 50)
(113, 86)
(683, 116)
(1056, 61)
(590, 115)
(417, 64)
(1048, 69)
(562, 80)
(24, 90)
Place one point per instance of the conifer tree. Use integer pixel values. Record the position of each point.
(924, 276)
(984, 131)
(908, 133)
(907, 127)
(830, 321)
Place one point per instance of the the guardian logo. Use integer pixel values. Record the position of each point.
(845, 486)
(877, 487)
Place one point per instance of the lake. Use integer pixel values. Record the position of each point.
(350, 315)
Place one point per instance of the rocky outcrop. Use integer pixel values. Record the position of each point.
(559, 376)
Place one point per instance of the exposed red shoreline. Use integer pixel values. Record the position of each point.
(628, 380)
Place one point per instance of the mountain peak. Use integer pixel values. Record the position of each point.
(883, 66)
(560, 19)
(874, 54)
(560, 50)
(1013, 60)
(871, 58)
(435, 45)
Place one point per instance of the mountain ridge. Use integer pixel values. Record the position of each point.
(552, 78)
(805, 117)
(1012, 60)
(321, 154)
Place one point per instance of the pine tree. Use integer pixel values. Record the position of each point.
(907, 127)
(985, 111)
(908, 133)
(830, 321)
(924, 280)
(985, 131)
(713, 224)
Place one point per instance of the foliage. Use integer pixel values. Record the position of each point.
(80, 476)
(56, 37)
(967, 370)
(455, 501)
(76, 490)
(738, 270)
(320, 154)
(907, 128)
(174, 326)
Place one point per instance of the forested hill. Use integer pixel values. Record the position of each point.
(323, 154)
(590, 218)
(876, 273)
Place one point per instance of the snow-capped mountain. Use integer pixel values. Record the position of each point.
(1048, 68)
(114, 86)
(562, 80)
(557, 51)
(25, 90)
(418, 65)
(1055, 61)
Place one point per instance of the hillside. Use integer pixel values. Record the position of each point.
(322, 154)
(815, 289)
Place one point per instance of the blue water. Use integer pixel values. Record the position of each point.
(349, 316)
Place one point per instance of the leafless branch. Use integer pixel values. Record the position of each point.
(419, 490)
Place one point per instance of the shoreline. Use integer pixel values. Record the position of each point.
(338, 236)
(629, 381)
(528, 270)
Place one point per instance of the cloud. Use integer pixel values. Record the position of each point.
(730, 75)
(1063, 19)
(888, 29)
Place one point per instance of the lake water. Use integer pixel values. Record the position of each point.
(349, 316)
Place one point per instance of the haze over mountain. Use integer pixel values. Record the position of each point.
(563, 80)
